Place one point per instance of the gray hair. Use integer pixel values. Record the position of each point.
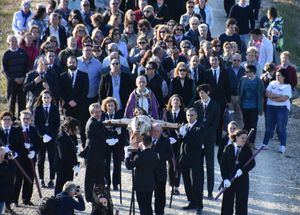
(94, 106)
(69, 186)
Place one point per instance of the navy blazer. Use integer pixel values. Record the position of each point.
(53, 121)
(145, 163)
(191, 147)
(163, 148)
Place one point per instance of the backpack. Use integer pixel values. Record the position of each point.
(48, 206)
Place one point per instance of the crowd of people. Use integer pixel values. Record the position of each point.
(72, 64)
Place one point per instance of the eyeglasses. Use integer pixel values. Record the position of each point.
(6, 119)
(26, 118)
(194, 23)
(142, 42)
(162, 32)
(185, 47)
(115, 64)
(179, 29)
(190, 6)
(81, 31)
(143, 29)
(236, 60)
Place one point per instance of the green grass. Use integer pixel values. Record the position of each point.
(291, 15)
(7, 10)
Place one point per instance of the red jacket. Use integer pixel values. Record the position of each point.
(291, 76)
(32, 53)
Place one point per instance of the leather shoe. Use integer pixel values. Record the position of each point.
(210, 196)
(9, 211)
(116, 188)
(28, 203)
(198, 211)
(189, 207)
(50, 184)
(43, 185)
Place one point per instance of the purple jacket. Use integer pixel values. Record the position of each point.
(132, 103)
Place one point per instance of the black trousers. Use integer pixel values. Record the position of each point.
(239, 190)
(255, 5)
(116, 152)
(144, 200)
(250, 118)
(174, 173)
(209, 154)
(228, 5)
(11, 183)
(15, 93)
(21, 181)
(220, 126)
(160, 197)
(94, 176)
(62, 176)
(193, 183)
(50, 148)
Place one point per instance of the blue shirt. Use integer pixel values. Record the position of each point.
(249, 95)
(93, 68)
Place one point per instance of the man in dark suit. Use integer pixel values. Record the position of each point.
(29, 148)
(196, 70)
(37, 81)
(74, 89)
(218, 80)
(169, 63)
(162, 146)
(96, 144)
(51, 63)
(144, 162)
(208, 115)
(161, 10)
(54, 29)
(116, 84)
(191, 160)
(11, 139)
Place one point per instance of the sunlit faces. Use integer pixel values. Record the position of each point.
(46, 98)
(191, 116)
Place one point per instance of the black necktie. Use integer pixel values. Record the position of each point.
(215, 76)
(6, 133)
(46, 113)
(27, 131)
(174, 117)
(195, 75)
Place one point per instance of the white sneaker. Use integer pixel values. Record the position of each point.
(282, 149)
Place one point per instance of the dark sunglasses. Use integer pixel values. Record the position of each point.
(236, 60)
(179, 29)
(115, 64)
(162, 32)
(142, 42)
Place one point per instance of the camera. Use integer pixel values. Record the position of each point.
(77, 190)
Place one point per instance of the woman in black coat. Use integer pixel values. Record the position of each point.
(183, 85)
(115, 142)
(233, 159)
(174, 112)
(66, 153)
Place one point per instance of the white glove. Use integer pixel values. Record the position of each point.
(112, 141)
(182, 131)
(76, 168)
(127, 152)
(172, 140)
(226, 183)
(238, 173)
(31, 155)
(46, 138)
(6, 149)
(27, 145)
(15, 155)
(118, 130)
